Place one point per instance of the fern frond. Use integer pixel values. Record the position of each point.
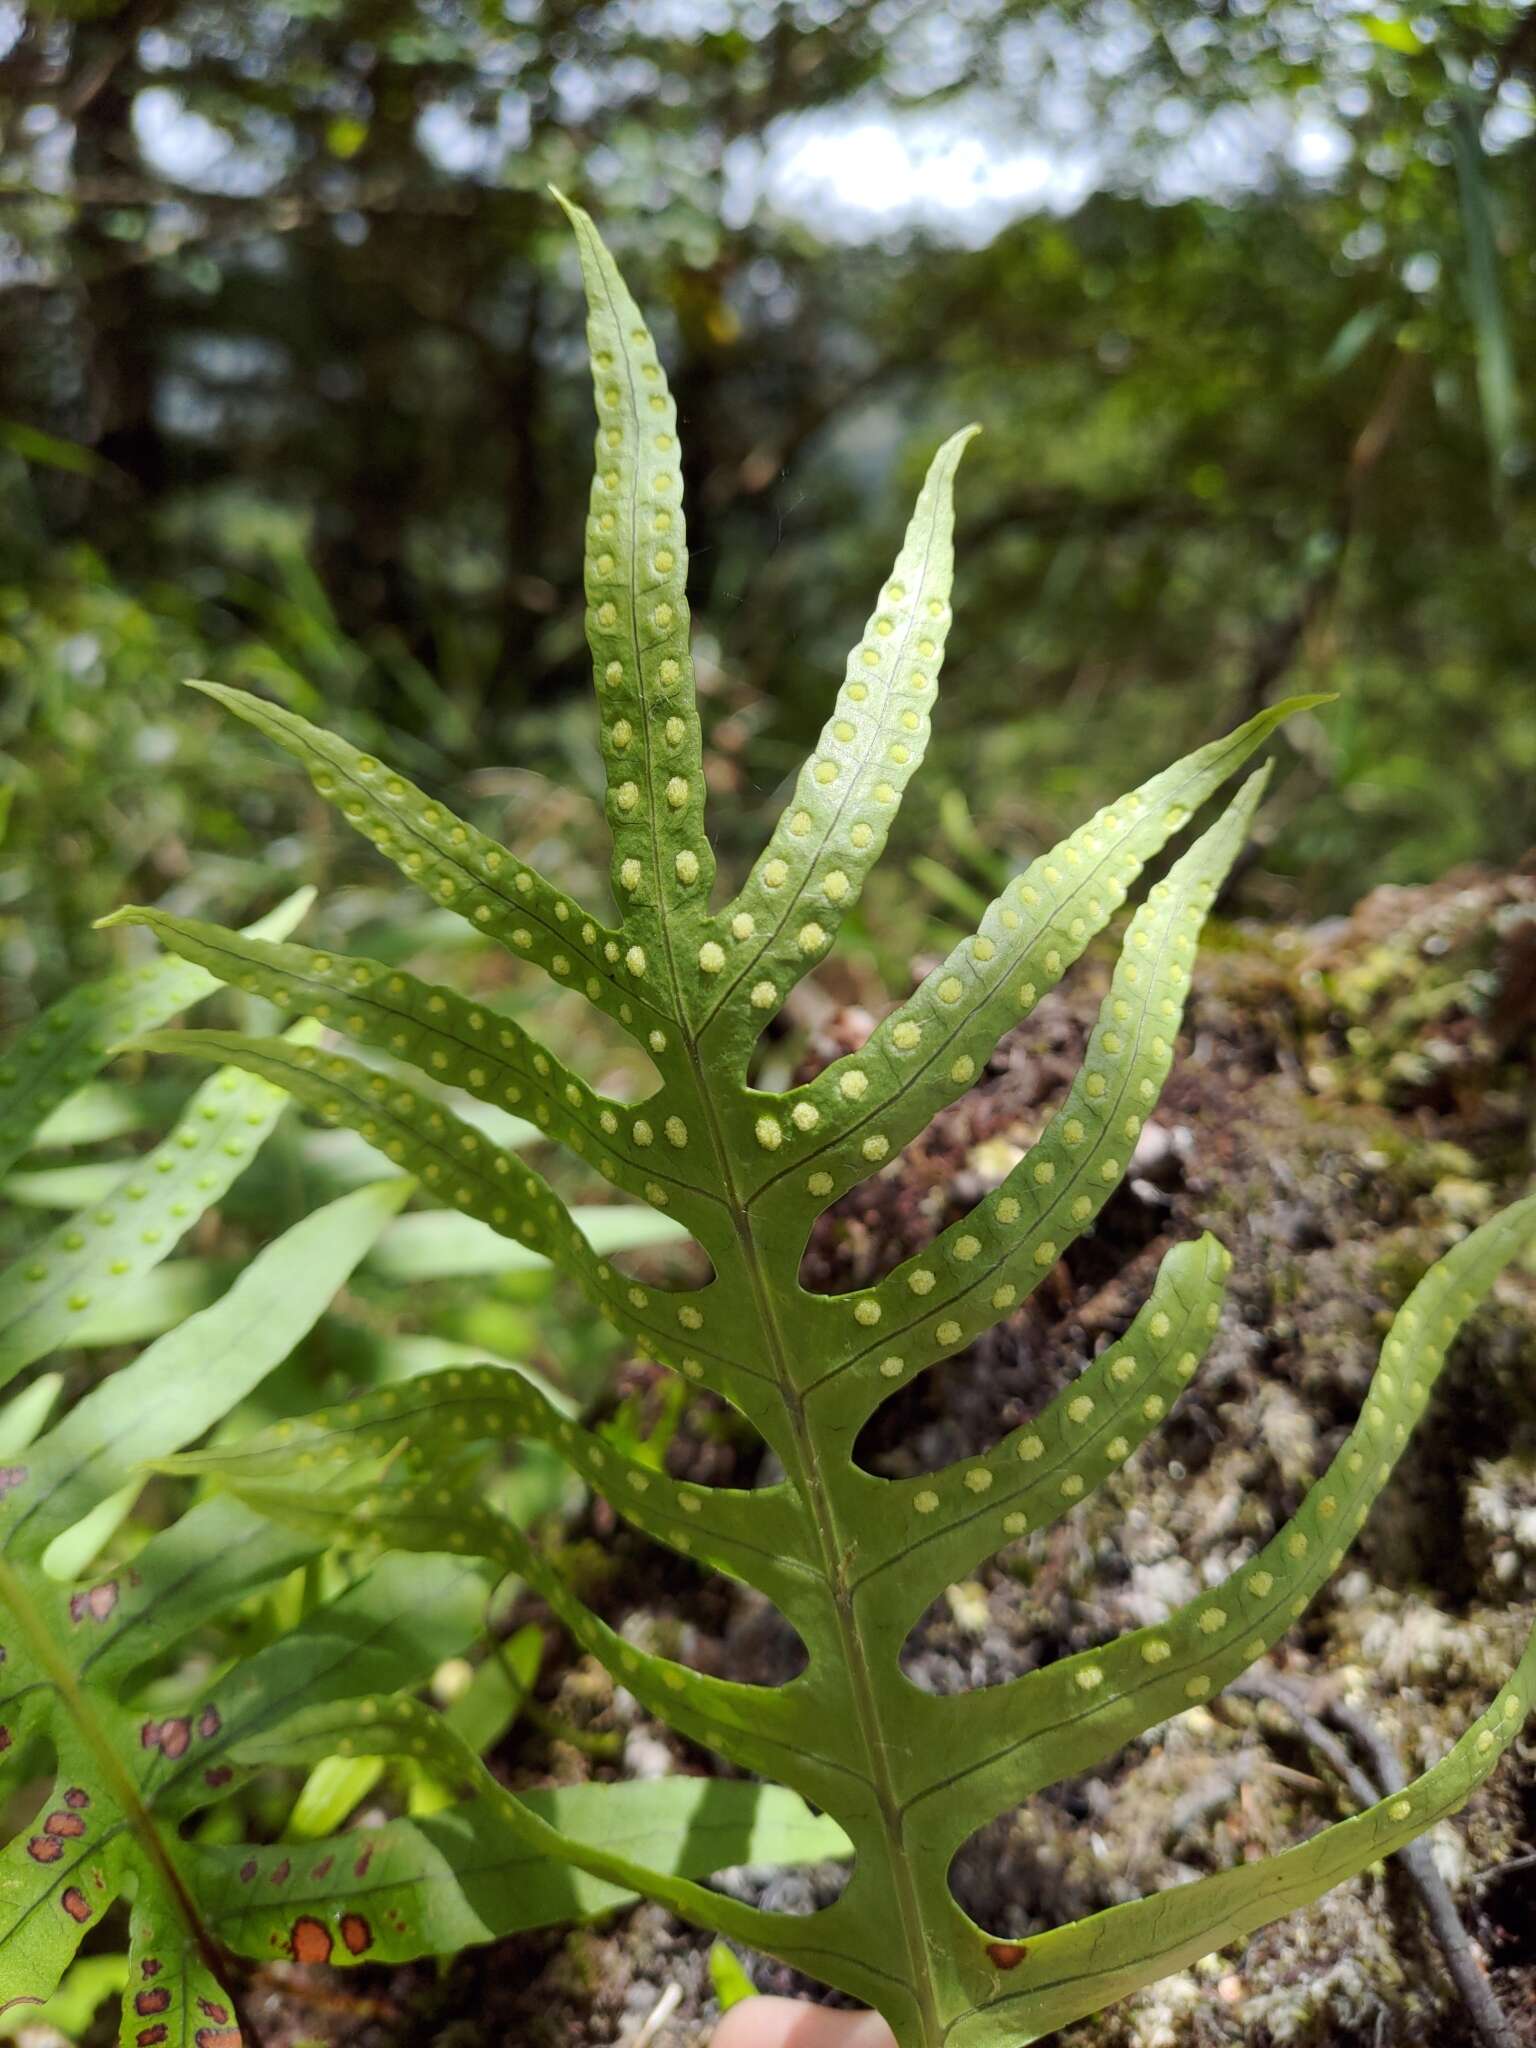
(72, 1041)
(126, 1777)
(851, 1560)
(138, 1221)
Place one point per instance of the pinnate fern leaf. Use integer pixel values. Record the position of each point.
(850, 1559)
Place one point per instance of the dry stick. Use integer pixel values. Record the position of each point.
(1256, 1686)
(1308, 616)
(1300, 633)
(1417, 1858)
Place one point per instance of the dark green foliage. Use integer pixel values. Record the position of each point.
(303, 407)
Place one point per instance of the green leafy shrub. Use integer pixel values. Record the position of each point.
(851, 1560)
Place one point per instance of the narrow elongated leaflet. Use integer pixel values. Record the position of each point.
(455, 1042)
(196, 1373)
(637, 628)
(1003, 1250)
(72, 1041)
(811, 872)
(435, 1244)
(471, 1872)
(851, 1560)
(137, 1222)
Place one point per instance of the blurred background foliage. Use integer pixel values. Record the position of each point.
(292, 394)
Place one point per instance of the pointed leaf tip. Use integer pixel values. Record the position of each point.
(1257, 782)
(834, 828)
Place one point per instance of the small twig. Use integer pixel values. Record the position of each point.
(279, 1979)
(1386, 1764)
(1257, 1686)
(1417, 1858)
(1467, 1971)
(1502, 1870)
(1300, 629)
(660, 2013)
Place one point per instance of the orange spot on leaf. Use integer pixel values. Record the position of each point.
(356, 1933)
(1007, 1954)
(310, 1941)
(95, 1604)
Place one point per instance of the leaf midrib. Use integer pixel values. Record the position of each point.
(808, 1481)
(48, 1656)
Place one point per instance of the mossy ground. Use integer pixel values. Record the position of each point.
(1348, 1101)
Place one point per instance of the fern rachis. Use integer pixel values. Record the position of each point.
(851, 1560)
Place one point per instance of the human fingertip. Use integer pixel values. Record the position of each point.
(790, 2023)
